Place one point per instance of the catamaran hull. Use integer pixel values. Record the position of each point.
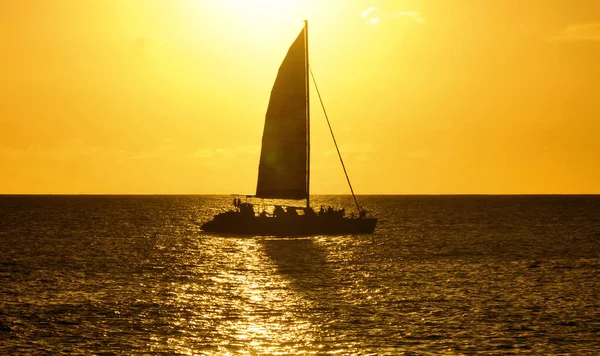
(296, 226)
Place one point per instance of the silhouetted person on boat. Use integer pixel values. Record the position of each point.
(278, 211)
(246, 209)
(321, 211)
(362, 214)
(292, 211)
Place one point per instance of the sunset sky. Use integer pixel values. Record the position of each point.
(425, 97)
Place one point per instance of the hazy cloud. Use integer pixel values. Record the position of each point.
(418, 154)
(166, 149)
(358, 152)
(579, 32)
(226, 153)
(77, 149)
(373, 15)
(366, 12)
(70, 149)
(138, 47)
(413, 15)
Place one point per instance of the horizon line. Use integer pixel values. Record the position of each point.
(323, 194)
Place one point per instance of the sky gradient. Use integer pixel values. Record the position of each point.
(425, 97)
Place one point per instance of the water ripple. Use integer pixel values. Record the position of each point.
(441, 275)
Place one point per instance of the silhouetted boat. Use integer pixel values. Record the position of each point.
(284, 168)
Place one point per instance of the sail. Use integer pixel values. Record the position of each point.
(283, 168)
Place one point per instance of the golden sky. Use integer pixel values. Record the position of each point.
(425, 97)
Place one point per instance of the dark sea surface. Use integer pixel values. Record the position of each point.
(441, 275)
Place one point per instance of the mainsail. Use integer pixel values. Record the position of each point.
(283, 168)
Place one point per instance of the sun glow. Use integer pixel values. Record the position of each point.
(261, 9)
(259, 14)
(468, 99)
(252, 23)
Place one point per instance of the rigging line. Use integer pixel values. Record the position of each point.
(334, 141)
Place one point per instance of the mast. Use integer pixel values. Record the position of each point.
(307, 69)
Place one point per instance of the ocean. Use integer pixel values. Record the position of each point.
(441, 275)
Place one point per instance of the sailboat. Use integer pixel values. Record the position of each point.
(284, 167)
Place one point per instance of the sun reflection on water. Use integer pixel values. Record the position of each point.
(252, 306)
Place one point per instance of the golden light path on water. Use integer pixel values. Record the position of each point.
(253, 295)
(250, 305)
